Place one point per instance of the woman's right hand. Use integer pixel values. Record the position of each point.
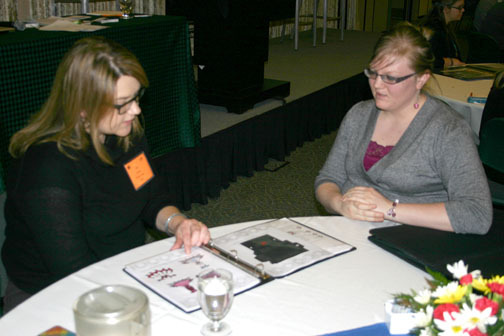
(360, 211)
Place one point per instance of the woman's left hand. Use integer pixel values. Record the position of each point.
(370, 196)
(190, 232)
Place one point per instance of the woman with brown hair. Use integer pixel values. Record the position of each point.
(442, 38)
(83, 186)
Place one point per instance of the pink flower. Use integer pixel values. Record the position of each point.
(442, 308)
(496, 287)
(475, 332)
(483, 303)
(466, 279)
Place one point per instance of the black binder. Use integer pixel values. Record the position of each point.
(435, 249)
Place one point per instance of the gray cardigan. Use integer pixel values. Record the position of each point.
(435, 160)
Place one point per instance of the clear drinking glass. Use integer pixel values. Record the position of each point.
(126, 7)
(215, 295)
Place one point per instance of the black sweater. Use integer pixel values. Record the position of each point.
(64, 214)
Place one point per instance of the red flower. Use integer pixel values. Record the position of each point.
(475, 332)
(466, 279)
(496, 287)
(483, 303)
(446, 307)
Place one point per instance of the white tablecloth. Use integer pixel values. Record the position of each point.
(455, 93)
(341, 293)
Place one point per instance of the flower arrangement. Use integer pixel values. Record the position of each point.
(468, 306)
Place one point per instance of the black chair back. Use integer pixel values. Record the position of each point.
(482, 48)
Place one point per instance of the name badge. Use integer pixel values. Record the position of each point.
(139, 171)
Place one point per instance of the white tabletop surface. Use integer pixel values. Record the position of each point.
(455, 93)
(345, 292)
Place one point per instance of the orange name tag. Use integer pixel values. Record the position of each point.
(139, 171)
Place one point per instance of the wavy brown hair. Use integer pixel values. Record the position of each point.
(85, 82)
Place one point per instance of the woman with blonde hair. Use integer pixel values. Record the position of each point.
(83, 186)
(405, 156)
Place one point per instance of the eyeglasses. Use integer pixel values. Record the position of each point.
(123, 108)
(371, 74)
(458, 7)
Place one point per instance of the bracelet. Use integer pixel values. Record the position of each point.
(168, 221)
(391, 212)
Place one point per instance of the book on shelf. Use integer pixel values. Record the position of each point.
(254, 255)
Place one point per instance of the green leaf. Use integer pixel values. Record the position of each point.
(438, 278)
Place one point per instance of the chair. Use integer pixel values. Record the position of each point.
(492, 157)
(482, 48)
(494, 106)
(341, 18)
(84, 4)
(3, 274)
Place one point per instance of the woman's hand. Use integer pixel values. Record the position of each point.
(452, 62)
(457, 62)
(364, 203)
(189, 232)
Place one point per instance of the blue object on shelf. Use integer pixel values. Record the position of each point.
(478, 100)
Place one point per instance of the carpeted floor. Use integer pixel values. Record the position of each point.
(286, 192)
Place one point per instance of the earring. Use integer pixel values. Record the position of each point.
(417, 104)
(85, 123)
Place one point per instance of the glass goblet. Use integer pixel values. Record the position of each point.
(126, 7)
(215, 295)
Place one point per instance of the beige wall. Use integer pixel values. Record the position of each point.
(420, 8)
(372, 15)
(424, 6)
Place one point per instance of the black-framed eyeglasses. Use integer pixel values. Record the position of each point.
(371, 74)
(458, 7)
(124, 107)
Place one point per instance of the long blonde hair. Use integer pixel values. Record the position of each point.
(85, 82)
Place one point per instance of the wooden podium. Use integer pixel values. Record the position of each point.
(230, 48)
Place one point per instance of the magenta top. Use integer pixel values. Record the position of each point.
(374, 153)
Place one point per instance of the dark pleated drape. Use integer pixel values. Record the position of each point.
(194, 174)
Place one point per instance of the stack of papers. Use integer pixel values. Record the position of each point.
(71, 24)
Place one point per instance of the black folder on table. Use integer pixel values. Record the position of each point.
(435, 249)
